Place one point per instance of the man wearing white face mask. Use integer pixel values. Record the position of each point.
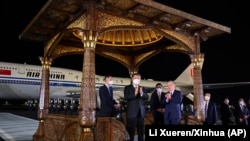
(155, 105)
(210, 109)
(108, 104)
(136, 112)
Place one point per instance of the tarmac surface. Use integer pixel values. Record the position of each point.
(16, 128)
(17, 123)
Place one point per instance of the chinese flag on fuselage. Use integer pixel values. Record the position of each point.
(5, 72)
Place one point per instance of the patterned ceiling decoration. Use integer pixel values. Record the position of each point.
(125, 27)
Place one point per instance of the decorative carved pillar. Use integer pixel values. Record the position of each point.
(87, 111)
(44, 94)
(197, 60)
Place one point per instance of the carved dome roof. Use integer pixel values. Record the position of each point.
(126, 38)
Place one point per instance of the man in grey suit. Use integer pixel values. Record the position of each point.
(172, 104)
(136, 112)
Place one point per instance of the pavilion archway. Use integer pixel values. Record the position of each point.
(129, 32)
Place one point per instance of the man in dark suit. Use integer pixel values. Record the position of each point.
(155, 105)
(136, 112)
(241, 113)
(225, 113)
(108, 104)
(248, 106)
(210, 109)
(172, 104)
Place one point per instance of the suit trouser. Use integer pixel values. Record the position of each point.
(132, 124)
(158, 118)
(174, 121)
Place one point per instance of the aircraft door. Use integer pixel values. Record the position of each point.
(21, 68)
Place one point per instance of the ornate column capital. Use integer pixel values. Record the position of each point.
(197, 60)
(46, 62)
(89, 38)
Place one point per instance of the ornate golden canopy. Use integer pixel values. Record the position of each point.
(127, 29)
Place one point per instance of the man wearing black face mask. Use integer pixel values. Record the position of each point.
(136, 112)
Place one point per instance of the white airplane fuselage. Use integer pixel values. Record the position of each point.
(23, 81)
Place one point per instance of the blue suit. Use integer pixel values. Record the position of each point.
(107, 108)
(172, 114)
(240, 113)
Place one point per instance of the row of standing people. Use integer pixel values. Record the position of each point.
(240, 112)
(135, 95)
(159, 107)
(166, 108)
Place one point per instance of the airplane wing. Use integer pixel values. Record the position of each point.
(224, 85)
(214, 85)
(185, 83)
(188, 89)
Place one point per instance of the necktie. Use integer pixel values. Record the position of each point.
(110, 91)
(241, 107)
(206, 109)
(159, 96)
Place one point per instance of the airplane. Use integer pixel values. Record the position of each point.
(22, 81)
(19, 81)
